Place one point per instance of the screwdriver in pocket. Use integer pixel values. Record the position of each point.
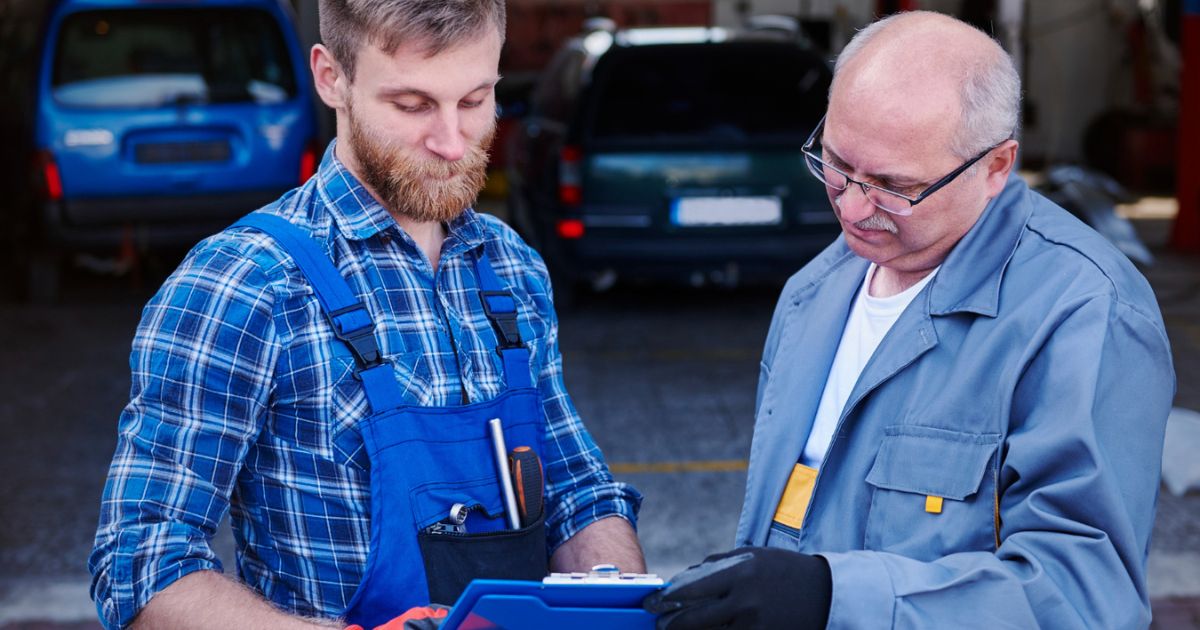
(526, 471)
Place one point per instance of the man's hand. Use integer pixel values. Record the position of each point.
(751, 587)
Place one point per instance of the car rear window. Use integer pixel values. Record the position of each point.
(155, 57)
(726, 93)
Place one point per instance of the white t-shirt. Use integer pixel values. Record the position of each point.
(870, 320)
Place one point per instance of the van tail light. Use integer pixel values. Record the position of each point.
(570, 190)
(570, 229)
(51, 182)
(308, 161)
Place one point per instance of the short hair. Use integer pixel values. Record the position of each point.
(437, 24)
(990, 93)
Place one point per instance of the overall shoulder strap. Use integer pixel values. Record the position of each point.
(348, 316)
(501, 310)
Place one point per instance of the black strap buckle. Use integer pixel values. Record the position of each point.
(360, 340)
(504, 323)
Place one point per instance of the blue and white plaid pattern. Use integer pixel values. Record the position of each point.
(243, 400)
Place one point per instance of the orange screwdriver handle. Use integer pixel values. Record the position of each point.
(526, 470)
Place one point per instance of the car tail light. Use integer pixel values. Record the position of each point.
(570, 229)
(308, 161)
(47, 168)
(570, 192)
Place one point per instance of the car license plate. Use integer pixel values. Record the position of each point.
(178, 152)
(722, 211)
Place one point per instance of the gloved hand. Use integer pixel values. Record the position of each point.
(418, 618)
(751, 587)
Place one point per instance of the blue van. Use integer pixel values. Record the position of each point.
(147, 123)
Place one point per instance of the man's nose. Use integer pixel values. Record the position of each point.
(445, 138)
(854, 205)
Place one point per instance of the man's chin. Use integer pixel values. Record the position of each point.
(445, 214)
(875, 248)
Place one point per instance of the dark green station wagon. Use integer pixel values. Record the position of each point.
(673, 153)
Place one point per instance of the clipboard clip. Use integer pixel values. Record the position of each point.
(604, 574)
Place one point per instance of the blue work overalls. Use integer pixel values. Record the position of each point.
(423, 460)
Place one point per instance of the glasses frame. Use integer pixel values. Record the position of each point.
(807, 150)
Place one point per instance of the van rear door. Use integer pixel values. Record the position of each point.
(169, 100)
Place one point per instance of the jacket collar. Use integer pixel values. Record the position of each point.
(970, 277)
(358, 216)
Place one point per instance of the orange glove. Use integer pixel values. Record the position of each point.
(417, 618)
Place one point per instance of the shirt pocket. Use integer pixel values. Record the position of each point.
(301, 410)
(932, 493)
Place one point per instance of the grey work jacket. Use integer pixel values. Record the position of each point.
(1028, 385)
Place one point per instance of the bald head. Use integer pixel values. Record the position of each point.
(941, 77)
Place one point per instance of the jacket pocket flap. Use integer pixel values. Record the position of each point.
(431, 502)
(935, 462)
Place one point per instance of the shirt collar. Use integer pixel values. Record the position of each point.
(358, 216)
(970, 277)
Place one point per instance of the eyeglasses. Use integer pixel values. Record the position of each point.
(884, 199)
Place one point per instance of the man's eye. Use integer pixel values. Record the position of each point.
(412, 108)
(834, 162)
(903, 189)
(470, 104)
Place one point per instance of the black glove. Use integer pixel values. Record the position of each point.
(751, 587)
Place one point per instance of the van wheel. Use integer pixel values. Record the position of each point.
(42, 276)
(11, 280)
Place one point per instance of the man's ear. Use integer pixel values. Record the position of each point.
(330, 81)
(999, 165)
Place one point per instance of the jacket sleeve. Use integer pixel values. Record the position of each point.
(202, 361)
(1078, 481)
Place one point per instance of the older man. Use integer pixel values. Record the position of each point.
(962, 401)
(326, 370)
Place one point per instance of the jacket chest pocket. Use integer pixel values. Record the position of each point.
(933, 492)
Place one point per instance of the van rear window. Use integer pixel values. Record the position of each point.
(154, 57)
(729, 93)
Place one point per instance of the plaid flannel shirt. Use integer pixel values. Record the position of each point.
(244, 402)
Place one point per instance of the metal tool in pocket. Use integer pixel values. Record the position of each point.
(504, 474)
(455, 523)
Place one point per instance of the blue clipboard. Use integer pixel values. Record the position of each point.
(513, 605)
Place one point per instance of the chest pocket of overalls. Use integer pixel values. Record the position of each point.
(933, 492)
(483, 546)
